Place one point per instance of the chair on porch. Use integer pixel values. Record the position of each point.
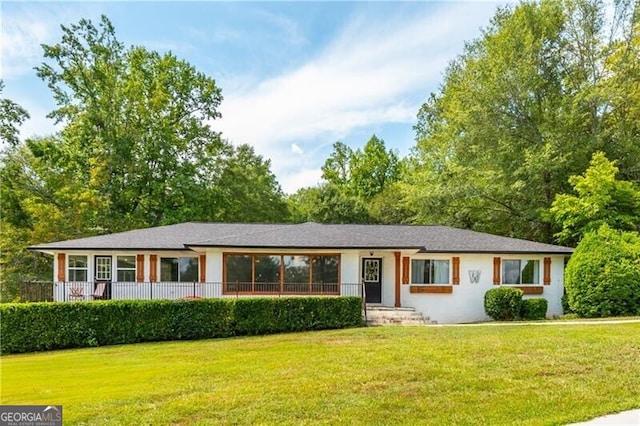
(76, 293)
(99, 291)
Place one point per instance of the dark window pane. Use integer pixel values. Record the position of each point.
(296, 269)
(238, 270)
(511, 272)
(267, 279)
(325, 269)
(188, 269)
(77, 275)
(267, 269)
(76, 261)
(169, 269)
(531, 272)
(126, 275)
(296, 274)
(127, 262)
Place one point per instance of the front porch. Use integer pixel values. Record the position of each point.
(74, 291)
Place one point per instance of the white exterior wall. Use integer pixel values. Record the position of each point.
(466, 302)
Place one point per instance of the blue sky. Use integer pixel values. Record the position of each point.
(295, 76)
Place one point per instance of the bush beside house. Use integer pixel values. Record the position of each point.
(603, 275)
(534, 309)
(503, 303)
(506, 304)
(47, 326)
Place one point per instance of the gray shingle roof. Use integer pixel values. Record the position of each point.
(430, 239)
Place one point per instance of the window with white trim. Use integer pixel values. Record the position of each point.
(520, 271)
(430, 271)
(126, 268)
(179, 269)
(77, 268)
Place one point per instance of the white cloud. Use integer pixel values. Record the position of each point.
(301, 178)
(25, 27)
(295, 148)
(20, 45)
(370, 75)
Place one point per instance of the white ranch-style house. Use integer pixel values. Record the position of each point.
(441, 272)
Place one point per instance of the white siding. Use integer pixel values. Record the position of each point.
(466, 302)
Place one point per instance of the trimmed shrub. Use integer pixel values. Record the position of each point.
(267, 315)
(603, 275)
(503, 303)
(534, 309)
(29, 327)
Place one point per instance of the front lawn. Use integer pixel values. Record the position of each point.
(429, 375)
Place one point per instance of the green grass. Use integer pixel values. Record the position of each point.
(526, 375)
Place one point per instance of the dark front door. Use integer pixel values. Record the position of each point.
(103, 274)
(372, 278)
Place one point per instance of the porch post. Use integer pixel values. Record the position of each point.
(397, 283)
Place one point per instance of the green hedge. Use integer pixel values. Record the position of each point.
(266, 316)
(534, 309)
(29, 327)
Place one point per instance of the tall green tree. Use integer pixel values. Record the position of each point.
(135, 123)
(42, 201)
(354, 180)
(245, 190)
(12, 116)
(520, 110)
(373, 169)
(327, 203)
(600, 199)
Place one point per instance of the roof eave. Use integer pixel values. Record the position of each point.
(52, 250)
(303, 247)
(569, 252)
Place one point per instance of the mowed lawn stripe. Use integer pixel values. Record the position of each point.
(405, 375)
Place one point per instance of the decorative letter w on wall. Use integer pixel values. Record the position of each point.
(474, 276)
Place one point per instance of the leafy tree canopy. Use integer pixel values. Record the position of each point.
(600, 199)
(523, 108)
(12, 116)
(354, 181)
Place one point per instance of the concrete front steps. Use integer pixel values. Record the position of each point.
(383, 315)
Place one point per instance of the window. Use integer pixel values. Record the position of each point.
(179, 269)
(296, 273)
(267, 273)
(77, 268)
(282, 273)
(520, 271)
(126, 268)
(428, 271)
